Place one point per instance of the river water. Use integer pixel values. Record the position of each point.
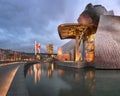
(47, 79)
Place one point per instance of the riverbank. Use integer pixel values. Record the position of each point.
(78, 65)
(10, 63)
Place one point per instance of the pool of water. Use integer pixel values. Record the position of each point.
(46, 79)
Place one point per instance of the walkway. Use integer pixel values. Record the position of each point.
(18, 87)
(7, 74)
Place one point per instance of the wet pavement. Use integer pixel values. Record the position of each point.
(18, 87)
(7, 74)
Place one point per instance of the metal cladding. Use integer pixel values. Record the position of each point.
(102, 25)
(69, 31)
(67, 47)
(91, 15)
(107, 43)
(88, 18)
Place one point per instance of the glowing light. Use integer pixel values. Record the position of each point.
(60, 72)
(52, 67)
(90, 56)
(37, 72)
(59, 52)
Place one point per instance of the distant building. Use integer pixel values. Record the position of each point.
(49, 48)
(62, 56)
(59, 51)
(9, 55)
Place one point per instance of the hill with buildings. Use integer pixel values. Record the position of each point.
(10, 55)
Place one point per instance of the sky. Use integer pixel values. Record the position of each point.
(24, 21)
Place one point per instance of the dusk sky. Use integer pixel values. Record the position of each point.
(24, 21)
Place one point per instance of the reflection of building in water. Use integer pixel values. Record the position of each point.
(76, 76)
(30, 71)
(90, 81)
(49, 73)
(52, 67)
(60, 72)
(50, 70)
(37, 71)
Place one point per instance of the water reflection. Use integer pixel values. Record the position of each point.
(51, 80)
(89, 81)
(36, 70)
(60, 72)
(47, 79)
(50, 70)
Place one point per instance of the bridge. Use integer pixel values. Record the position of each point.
(48, 54)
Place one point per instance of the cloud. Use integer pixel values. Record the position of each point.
(23, 21)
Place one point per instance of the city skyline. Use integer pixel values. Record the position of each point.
(23, 22)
